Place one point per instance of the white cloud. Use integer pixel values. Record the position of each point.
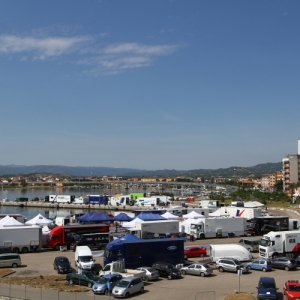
(41, 48)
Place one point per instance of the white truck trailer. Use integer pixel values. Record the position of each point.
(21, 238)
(277, 243)
(155, 229)
(209, 204)
(244, 212)
(60, 198)
(217, 227)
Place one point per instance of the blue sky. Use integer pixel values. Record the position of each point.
(149, 84)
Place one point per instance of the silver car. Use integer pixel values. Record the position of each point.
(128, 286)
(150, 273)
(197, 269)
(231, 264)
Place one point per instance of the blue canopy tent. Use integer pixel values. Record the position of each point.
(122, 217)
(129, 237)
(150, 217)
(95, 217)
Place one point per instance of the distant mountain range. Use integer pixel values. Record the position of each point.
(255, 171)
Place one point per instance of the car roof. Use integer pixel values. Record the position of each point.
(292, 282)
(111, 275)
(267, 279)
(129, 278)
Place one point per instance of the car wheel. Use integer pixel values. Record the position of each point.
(71, 281)
(14, 265)
(201, 255)
(185, 257)
(286, 268)
(90, 284)
(202, 274)
(169, 277)
(142, 290)
(202, 236)
(183, 272)
(264, 269)
(221, 269)
(106, 292)
(127, 295)
(146, 279)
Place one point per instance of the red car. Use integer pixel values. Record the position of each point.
(291, 290)
(194, 251)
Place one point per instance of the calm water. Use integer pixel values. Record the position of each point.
(53, 212)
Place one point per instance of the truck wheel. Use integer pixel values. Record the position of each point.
(16, 250)
(24, 249)
(201, 255)
(57, 247)
(202, 236)
(202, 274)
(221, 269)
(106, 292)
(286, 268)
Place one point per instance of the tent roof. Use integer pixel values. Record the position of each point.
(10, 221)
(150, 217)
(122, 217)
(39, 220)
(131, 224)
(95, 217)
(193, 215)
(169, 216)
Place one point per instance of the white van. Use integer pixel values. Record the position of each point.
(84, 258)
(229, 250)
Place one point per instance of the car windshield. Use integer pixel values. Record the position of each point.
(267, 286)
(63, 260)
(89, 274)
(86, 258)
(186, 248)
(237, 262)
(150, 269)
(207, 266)
(103, 280)
(123, 283)
(264, 242)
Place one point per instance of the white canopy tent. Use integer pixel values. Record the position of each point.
(131, 224)
(193, 215)
(10, 222)
(39, 220)
(169, 216)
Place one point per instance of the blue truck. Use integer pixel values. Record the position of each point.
(139, 252)
(97, 199)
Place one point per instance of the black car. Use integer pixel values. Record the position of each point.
(285, 263)
(84, 278)
(5, 250)
(62, 265)
(166, 269)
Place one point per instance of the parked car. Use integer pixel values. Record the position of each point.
(291, 290)
(251, 244)
(5, 250)
(194, 251)
(187, 262)
(85, 278)
(128, 286)
(261, 264)
(231, 264)
(106, 283)
(285, 263)
(8, 260)
(166, 269)
(266, 289)
(197, 269)
(150, 273)
(298, 260)
(62, 265)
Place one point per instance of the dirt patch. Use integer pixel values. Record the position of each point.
(57, 282)
(239, 296)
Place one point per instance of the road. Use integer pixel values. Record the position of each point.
(186, 288)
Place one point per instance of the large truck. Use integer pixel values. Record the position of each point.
(139, 252)
(92, 240)
(154, 201)
(263, 225)
(21, 238)
(244, 212)
(68, 199)
(123, 200)
(209, 204)
(155, 229)
(280, 243)
(97, 199)
(64, 236)
(217, 227)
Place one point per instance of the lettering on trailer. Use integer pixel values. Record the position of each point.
(239, 213)
(172, 248)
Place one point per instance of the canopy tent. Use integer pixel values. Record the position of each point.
(122, 217)
(39, 220)
(193, 215)
(169, 216)
(150, 217)
(218, 213)
(131, 224)
(129, 237)
(10, 222)
(253, 204)
(95, 217)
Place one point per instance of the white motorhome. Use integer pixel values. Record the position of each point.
(60, 198)
(121, 200)
(277, 243)
(217, 227)
(84, 258)
(209, 203)
(244, 212)
(229, 250)
(155, 229)
(21, 238)
(163, 200)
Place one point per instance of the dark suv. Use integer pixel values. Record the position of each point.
(266, 288)
(166, 269)
(285, 263)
